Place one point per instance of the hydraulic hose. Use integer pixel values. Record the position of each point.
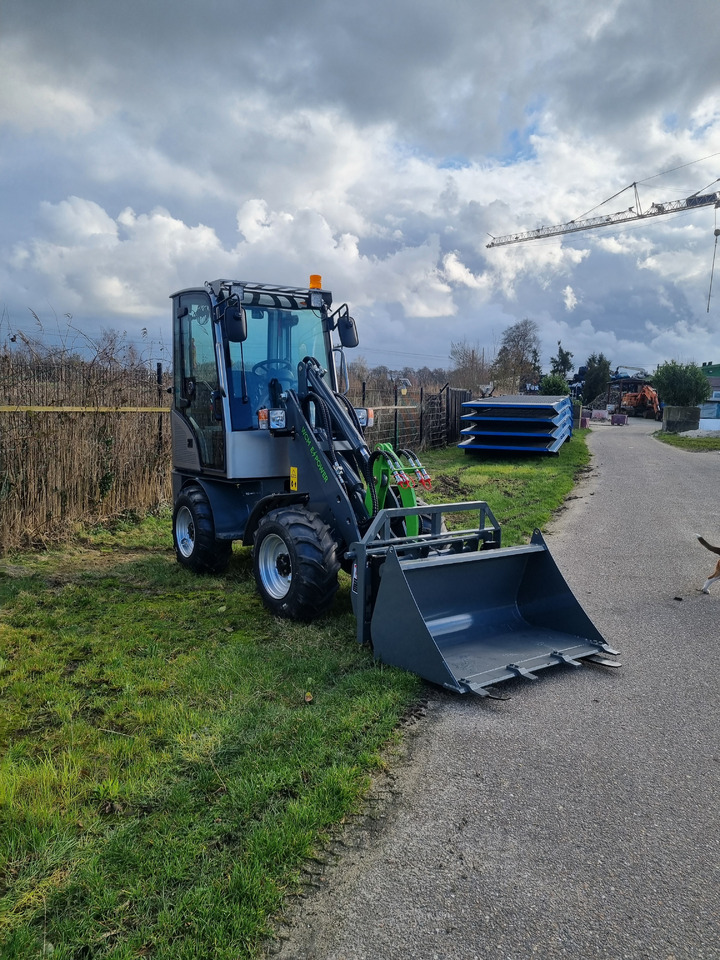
(367, 474)
(341, 398)
(323, 414)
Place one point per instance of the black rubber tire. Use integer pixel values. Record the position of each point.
(194, 534)
(295, 562)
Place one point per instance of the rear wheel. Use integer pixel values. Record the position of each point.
(295, 563)
(194, 534)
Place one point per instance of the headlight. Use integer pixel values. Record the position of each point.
(277, 419)
(365, 415)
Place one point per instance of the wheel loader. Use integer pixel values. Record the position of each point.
(268, 451)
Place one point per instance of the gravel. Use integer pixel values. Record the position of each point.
(579, 818)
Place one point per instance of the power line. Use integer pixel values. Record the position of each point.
(402, 353)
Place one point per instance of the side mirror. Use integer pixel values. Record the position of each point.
(348, 331)
(235, 324)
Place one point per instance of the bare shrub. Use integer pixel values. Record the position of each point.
(81, 438)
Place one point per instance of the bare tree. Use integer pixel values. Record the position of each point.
(518, 359)
(470, 368)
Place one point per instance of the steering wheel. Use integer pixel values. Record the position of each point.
(272, 366)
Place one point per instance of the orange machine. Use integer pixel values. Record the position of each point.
(644, 403)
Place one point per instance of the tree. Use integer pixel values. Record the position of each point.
(425, 377)
(681, 384)
(562, 363)
(469, 367)
(380, 375)
(596, 377)
(554, 385)
(359, 370)
(518, 357)
(535, 365)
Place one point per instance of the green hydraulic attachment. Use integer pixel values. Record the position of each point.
(388, 471)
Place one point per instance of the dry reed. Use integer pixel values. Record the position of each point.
(70, 449)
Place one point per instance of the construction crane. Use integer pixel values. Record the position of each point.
(624, 216)
(626, 366)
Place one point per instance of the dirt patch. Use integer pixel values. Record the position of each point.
(450, 488)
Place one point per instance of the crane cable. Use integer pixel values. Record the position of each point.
(712, 269)
(634, 184)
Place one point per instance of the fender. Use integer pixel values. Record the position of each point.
(265, 506)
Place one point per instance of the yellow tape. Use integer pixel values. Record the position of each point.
(20, 409)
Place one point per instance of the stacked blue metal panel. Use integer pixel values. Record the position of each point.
(532, 424)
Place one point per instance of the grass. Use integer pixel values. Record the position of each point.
(171, 754)
(691, 444)
(521, 491)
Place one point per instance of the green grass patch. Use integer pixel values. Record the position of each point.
(691, 444)
(171, 754)
(522, 491)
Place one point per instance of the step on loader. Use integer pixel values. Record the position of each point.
(268, 450)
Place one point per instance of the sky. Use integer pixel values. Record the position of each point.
(146, 147)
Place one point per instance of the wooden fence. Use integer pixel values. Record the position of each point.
(82, 441)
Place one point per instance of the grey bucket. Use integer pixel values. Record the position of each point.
(470, 620)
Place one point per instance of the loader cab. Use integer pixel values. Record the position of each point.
(265, 365)
(236, 349)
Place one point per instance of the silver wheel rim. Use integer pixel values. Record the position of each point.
(274, 566)
(185, 532)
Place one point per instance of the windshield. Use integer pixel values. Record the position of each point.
(277, 341)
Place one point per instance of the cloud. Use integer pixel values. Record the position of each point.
(379, 145)
(569, 298)
(125, 268)
(32, 100)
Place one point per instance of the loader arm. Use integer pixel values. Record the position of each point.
(330, 460)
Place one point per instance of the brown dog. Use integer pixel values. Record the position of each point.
(715, 575)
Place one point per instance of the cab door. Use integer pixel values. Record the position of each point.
(197, 386)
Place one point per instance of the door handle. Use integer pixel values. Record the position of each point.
(216, 398)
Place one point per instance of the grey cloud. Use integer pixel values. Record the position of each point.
(342, 120)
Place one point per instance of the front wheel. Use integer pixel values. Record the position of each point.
(194, 534)
(295, 563)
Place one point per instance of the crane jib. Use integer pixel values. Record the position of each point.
(623, 216)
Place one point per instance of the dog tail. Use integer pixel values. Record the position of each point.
(708, 546)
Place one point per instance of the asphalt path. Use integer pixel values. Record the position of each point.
(579, 819)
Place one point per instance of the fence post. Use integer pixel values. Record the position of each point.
(159, 374)
(397, 439)
(422, 410)
(446, 391)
